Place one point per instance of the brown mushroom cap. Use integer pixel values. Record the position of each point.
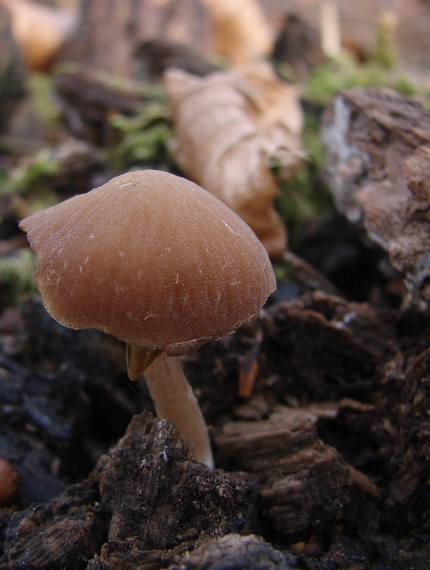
(152, 259)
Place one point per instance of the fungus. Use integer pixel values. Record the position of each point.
(160, 264)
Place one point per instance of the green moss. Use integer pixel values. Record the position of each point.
(16, 272)
(304, 196)
(332, 76)
(405, 86)
(31, 174)
(142, 137)
(30, 184)
(32, 180)
(45, 105)
(385, 52)
(329, 78)
(283, 272)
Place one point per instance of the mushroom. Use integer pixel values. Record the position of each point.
(160, 264)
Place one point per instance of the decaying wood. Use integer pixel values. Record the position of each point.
(165, 489)
(244, 552)
(126, 25)
(297, 45)
(146, 492)
(153, 57)
(89, 98)
(317, 348)
(378, 144)
(68, 528)
(306, 274)
(302, 482)
(309, 328)
(340, 471)
(404, 436)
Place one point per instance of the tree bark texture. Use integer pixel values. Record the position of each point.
(378, 145)
(110, 32)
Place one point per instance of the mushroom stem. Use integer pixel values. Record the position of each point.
(175, 400)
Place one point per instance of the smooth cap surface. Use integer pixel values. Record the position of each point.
(152, 259)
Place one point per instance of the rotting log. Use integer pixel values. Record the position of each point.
(359, 371)
(326, 347)
(378, 145)
(145, 494)
(303, 483)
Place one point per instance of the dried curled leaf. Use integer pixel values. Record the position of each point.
(229, 126)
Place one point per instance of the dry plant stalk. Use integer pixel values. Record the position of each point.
(229, 126)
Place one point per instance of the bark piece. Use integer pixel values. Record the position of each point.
(153, 57)
(41, 422)
(302, 482)
(160, 497)
(65, 533)
(244, 552)
(90, 97)
(131, 554)
(378, 144)
(297, 45)
(403, 433)
(309, 277)
(345, 553)
(314, 349)
(393, 443)
(145, 497)
(303, 333)
(126, 25)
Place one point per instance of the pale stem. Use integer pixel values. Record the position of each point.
(175, 401)
(330, 28)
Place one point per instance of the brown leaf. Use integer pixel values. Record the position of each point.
(229, 125)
